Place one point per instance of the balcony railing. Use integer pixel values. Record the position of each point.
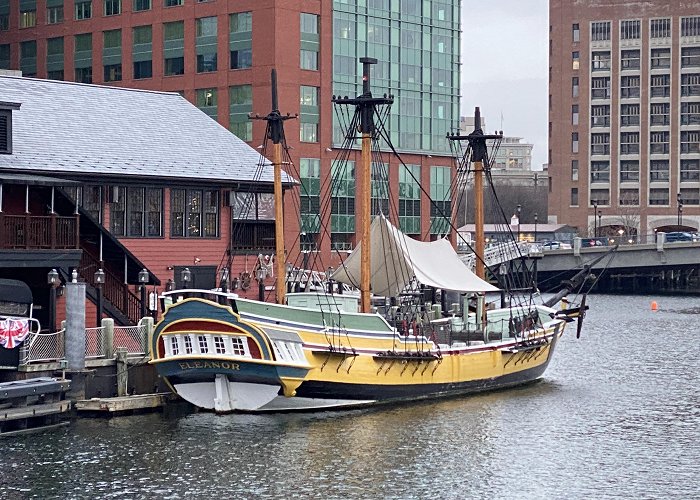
(45, 232)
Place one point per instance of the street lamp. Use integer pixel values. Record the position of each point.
(680, 210)
(518, 212)
(99, 281)
(53, 281)
(186, 277)
(595, 222)
(535, 227)
(143, 279)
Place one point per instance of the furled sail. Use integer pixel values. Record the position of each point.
(396, 259)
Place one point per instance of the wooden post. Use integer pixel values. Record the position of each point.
(122, 372)
(365, 218)
(280, 260)
(479, 218)
(108, 337)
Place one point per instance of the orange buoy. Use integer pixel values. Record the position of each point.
(654, 305)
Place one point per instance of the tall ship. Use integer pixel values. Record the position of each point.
(399, 320)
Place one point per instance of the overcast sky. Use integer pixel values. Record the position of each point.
(504, 67)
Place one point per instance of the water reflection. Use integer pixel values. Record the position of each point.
(617, 415)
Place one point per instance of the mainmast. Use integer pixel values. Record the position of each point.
(365, 105)
(479, 157)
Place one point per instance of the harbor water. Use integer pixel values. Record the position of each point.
(617, 415)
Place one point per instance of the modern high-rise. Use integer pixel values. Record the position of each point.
(624, 116)
(219, 54)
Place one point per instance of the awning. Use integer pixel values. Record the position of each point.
(34, 180)
(396, 259)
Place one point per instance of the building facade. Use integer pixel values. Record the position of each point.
(219, 54)
(624, 115)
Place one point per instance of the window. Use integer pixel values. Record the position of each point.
(629, 197)
(659, 113)
(660, 58)
(54, 15)
(241, 22)
(441, 208)
(575, 60)
(173, 41)
(600, 144)
(83, 9)
(690, 170)
(173, 3)
(690, 196)
(690, 142)
(206, 63)
(629, 171)
(308, 132)
(409, 199)
(574, 86)
(600, 116)
(600, 171)
(140, 5)
(342, 204)
(629, 59)
(690, 26)
(574, 197)
(690, 57)
(629, 115)
(658, 170)
(113, 72)
(174, 346)
(574, 115)
(113, 7)
(203, 345)
(309, 59)
(310, 199)
(188, 344)
(27, 17)
(253, 206)
(629, 87)
(137, 212)
(660, 28)
(574, 170)
(194, 213)
(690, 113)
(600, 61)
(660, 86)
(174, 66)
(630, 30)
(600, 31)
(575, 33)
(83, 75)
(629, 143)
(240, 104)
(54, 58)
(308, 23)
(574, 142)
(27, 57)
(206, 28)
(142, 52)
(238, 346)
(206, 100)
(658, 196)
(309, 116)
(600, 197)
(240, 40)
(658, 142)
(600, 87)
(690, 84)
(219, 345)
(241, 58)
(89, 198)
(309, 28)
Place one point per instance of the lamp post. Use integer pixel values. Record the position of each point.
(600, 221)
(53, 281)
(186, 277)
(680, 210)
(535, 227)
(99, 281)
(143, 279)
(595, 222)
(518, 210)
(260, 275)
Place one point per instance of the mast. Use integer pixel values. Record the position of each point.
(365, 105)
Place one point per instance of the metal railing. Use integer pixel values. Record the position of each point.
(133, 338)
(94, 343)
(43, 347)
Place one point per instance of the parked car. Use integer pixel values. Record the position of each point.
(555, 245)
(594, 242)
(678, 236)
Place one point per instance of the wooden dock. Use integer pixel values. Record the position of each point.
(123, 405)
(32, 405)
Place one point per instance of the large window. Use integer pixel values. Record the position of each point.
(658, 196)
(690, 57)
(600, 171)
(629, 87)
(206, 100)
(206, 28)
(409, 199)
(83, 9)
(600, 60)
(630, 29)
(629, 171)
(690, 141)
(600, 116)
(629, 197)
(600, 31)
(600, 87)
(137, 212)
(600, 144)
(690, 113)
(310, 41)
(173, 48)
(659, 113)
(690, 85)
(660, 85)
(658, 170)
(690, 170)
(441, 207)
(309, 115)
(240, 104)
(342, 204)
(310, 200)
(629, 59)
(194, 213)
(140, 5)
(660, 28)
(659, 142)
(54, 14)
(27, 15)
(142, 52)
(690, 26)
(89, 198)
(660, 58)
(113, 7)
(629, 115)
(241, 40)
(629, 143)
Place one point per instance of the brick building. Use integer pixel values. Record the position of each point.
(624, 115)
(219, 53)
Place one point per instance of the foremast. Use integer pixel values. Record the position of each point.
(366, 106)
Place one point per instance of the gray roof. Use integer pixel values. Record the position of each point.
(74, 129)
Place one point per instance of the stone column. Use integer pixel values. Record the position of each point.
(75, 325)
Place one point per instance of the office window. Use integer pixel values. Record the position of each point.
(630, 30)
(629, 143)
(574, 197)
(342, 204)
(112, 72)
(629, 171)
(309, 59)
(194, 213)
(83, 9)
(629, 59)
(690, 196)
(629, 197)
(27, 16)
(600, 60)
(600, 87)
(441, 208)
(83, 75)
(690, 141)
(309, 28)
(112, 7)
(54, 15)
(575, 60)
(54, 59)
(660, 86)
(690, 84)
(308, 132)
(600, 144)
(409, 199)
(575, 33)
(600, 31)
(137, 212)
(308, 23)
(206, 26)
(658, 196)
(690, 57)
(240, 104)
(600, 171)
(600, 115)
(629, 87)
(660, 28)
(660, 58)
(140, 5)
(690, 170)
(142, 52)
(173, 3)
(574, 115)
(658, 170)
(629, 114)
(600, 197)
(690, 113)
(574, 142)
(690, 26)
(574, 170)
(310, 200)
(659, 142)
(173, 41)
(206, 100)
(206, 29)
(659, 113)
(574, 86)
(27, 58)
(241, 58)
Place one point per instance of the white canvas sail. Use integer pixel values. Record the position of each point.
(396, 259)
